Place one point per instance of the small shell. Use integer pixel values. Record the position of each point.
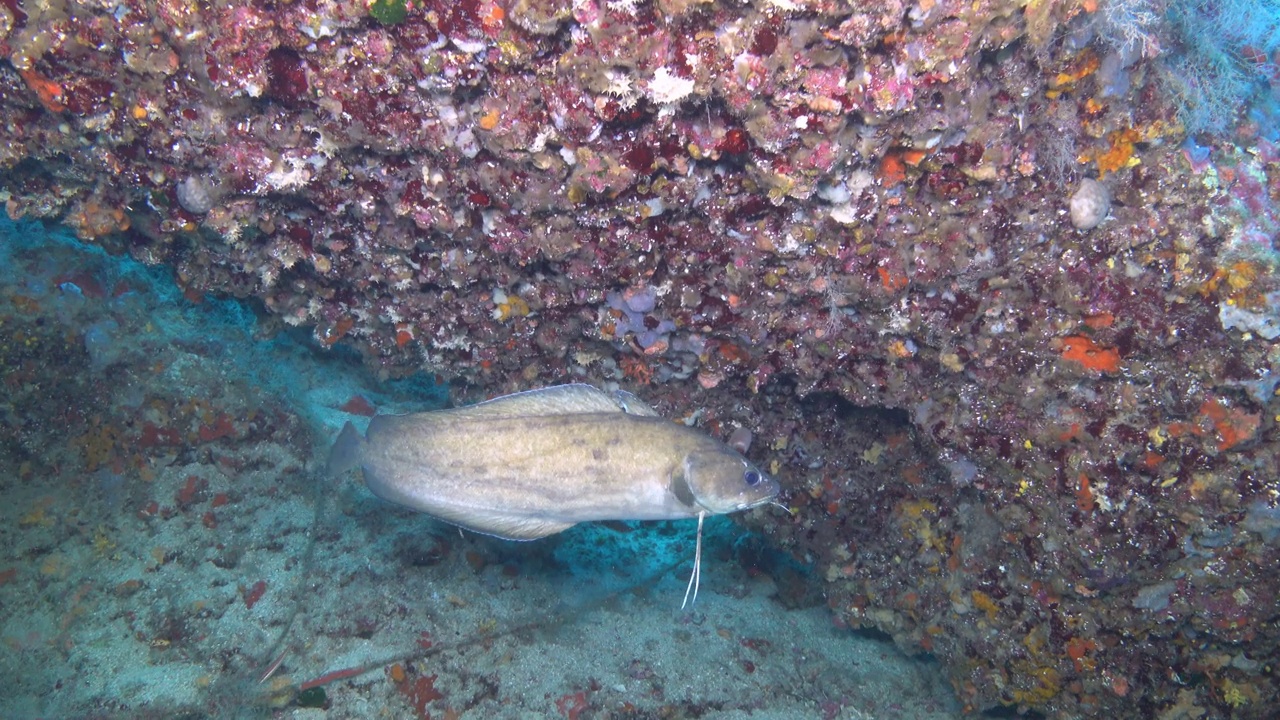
(740, 440)
(1090, 204)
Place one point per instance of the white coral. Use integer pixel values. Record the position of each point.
(667, 88)
(623, 6)
(621, 87)
(296, 175)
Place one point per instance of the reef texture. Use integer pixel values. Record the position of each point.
(970, 219)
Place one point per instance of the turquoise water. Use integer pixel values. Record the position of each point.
(172, 547)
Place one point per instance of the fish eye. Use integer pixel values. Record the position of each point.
(751, 476)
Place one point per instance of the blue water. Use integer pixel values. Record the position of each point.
(172, 547)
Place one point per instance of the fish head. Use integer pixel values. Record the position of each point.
(722, 481)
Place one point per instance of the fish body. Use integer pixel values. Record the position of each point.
(531, 464)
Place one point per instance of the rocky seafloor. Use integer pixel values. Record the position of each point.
(1031, 243)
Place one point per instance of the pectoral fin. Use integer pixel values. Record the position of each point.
(679, 487)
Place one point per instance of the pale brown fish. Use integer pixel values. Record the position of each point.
(535, 463)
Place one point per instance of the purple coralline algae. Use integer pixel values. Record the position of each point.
(1003, 438)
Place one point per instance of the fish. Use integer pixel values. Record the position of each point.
(535, 463)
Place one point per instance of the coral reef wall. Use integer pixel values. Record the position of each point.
(981, 222)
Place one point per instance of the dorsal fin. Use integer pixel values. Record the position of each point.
(559, 400)
(633, 405)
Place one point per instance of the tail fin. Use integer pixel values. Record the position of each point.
(346, 451)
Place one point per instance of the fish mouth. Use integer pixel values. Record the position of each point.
(759, 501)
(740, 506)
